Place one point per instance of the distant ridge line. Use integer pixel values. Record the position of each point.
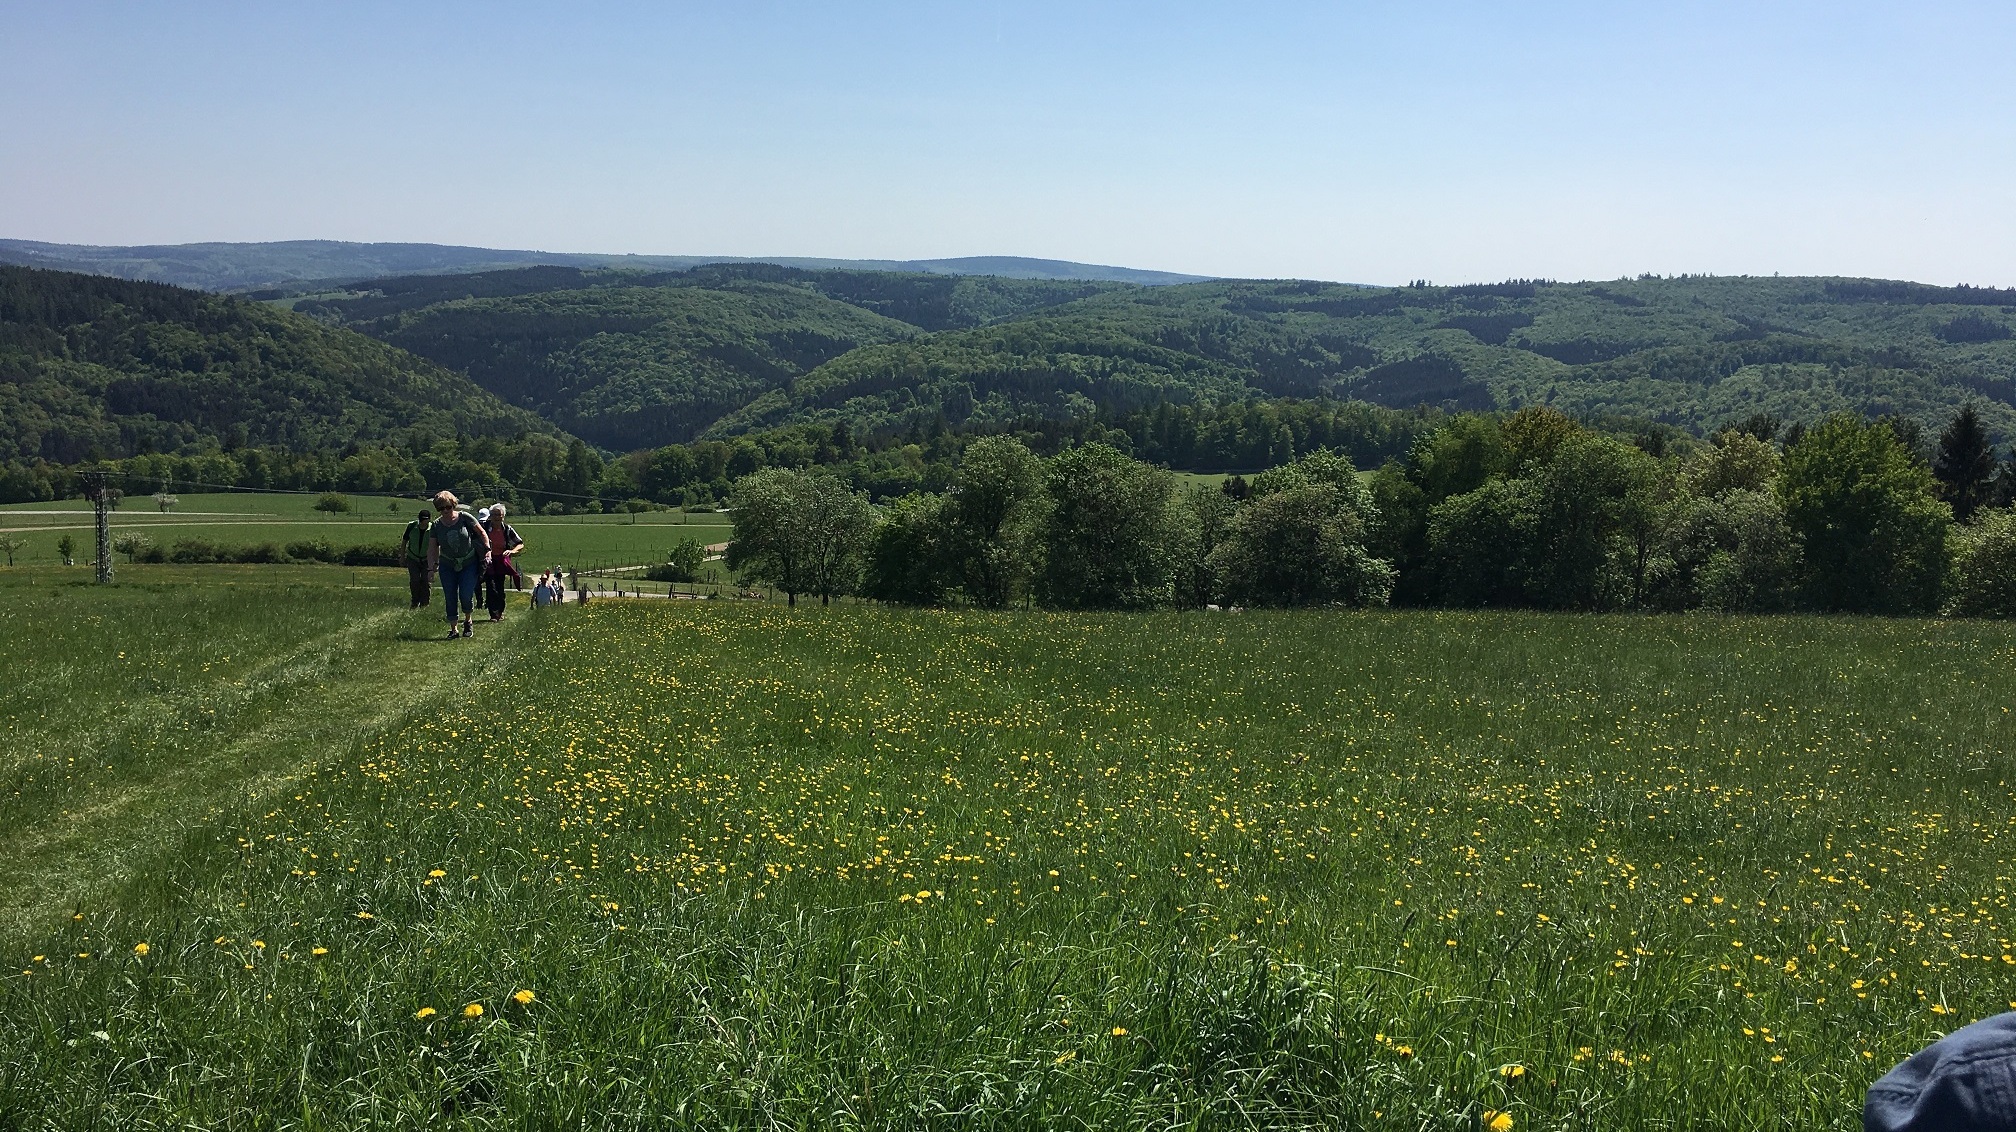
(227, 266)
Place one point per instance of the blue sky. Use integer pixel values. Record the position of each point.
(1364, 142)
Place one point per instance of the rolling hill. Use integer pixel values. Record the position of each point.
(1691, 352)
(92, 367)
(292, 264)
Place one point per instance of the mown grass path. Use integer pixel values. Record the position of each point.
(136, 716)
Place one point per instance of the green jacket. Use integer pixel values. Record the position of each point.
(416, 540)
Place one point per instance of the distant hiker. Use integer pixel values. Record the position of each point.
(457, 547)
(1964, 1082)
(542, 594)
(504, 543)
(415, 542)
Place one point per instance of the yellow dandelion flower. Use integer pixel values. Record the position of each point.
(437, 873)
(319, 951)
(924, 894)
(140, 949)
(1512, 1072)
(1497, 1121)
(425, 1013)
(473, 1010)
(1119, 1031)
(366, 916)
(523, 997)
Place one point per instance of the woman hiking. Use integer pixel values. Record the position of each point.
(504, 544)
(459, 549)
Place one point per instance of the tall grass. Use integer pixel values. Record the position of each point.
(858, 868)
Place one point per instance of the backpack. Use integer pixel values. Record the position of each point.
(458, 546)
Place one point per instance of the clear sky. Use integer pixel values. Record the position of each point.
(1364, 142)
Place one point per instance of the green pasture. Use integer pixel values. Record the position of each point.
(246, 519)
(727, 865)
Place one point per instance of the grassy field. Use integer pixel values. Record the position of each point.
(245, 518)
(726, 865)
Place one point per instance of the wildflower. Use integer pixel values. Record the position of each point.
(1119, 1031)
(1512, 1072)
(523, 997)
(1067, 1055)
(318, 951)
(425, 1013)
(140, 949)
(1497, 1121)
(366, 916)
(437, 874)
(473, 1010)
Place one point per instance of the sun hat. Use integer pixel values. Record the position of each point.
(1964, 1082)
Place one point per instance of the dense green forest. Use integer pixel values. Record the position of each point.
(92, 368)
(1688, 352)
(763, 365)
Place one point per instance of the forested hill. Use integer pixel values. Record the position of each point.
(1692, 352)
(93, 367)
(629, 360)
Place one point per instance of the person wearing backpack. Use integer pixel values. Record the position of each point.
(415, 542)
(460, 550)
(504, 543)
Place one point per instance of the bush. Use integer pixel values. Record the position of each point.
(393, 555)
(1984, 567)
(332, 501)
(311, 550)
(195, 551)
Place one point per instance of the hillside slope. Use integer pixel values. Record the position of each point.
(628, 359)
(1693, 352)
(92, 367)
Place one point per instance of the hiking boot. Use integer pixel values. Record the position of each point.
(468, 629)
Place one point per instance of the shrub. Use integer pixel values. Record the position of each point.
(332, 501)
(393, 555)
(1984, 568)
(311, 550)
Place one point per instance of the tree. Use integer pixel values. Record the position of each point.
(66, 547)
(1106, 539)
(995, 508)
(1301, 546)
(1984, 568)
(834, 524)
(11, 545)
(333, 502)
(165, 501)
(1863, 507)
(1737, 461)
(1203, 520)
(909, 560)
(1965, 464)
(132, 545)
(801, 531)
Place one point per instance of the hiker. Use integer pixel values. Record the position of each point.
(457, 547)
(542, 594)
(1964, 1082)
(504, 542)
(415, 542)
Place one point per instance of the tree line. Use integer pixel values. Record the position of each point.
(1531, 510)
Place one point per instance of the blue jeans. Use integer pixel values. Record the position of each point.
(458, 587)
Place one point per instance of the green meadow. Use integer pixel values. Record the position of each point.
(251, 518)
(727, 865)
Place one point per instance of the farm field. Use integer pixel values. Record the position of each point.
(727, 865)
(245, 519)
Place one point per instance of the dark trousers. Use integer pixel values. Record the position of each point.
(417, 581)
(493, 594)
